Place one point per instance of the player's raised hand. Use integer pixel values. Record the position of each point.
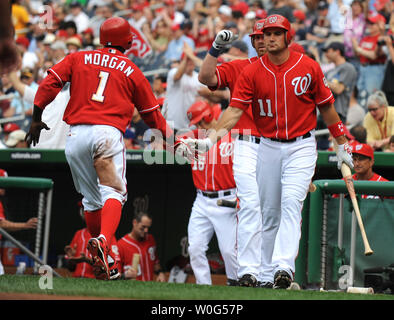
(344, 154)
(224, 39)
(183, 150)
(200, 146)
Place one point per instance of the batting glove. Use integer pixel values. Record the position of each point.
(224, 39)
(200, 146)
(344, 155)
(183, 150)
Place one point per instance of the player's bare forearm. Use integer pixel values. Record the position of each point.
(181, 70)
(227, 121)
(207, 74)
(330, 116)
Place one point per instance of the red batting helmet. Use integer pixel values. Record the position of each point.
(116, 31)
(198, 111)
(257, 28)
(278, 21)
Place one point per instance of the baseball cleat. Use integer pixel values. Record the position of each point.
(282, 280)
(113, 269)
(232, 283)
(98, 249)
(247, 280)
(265, 285)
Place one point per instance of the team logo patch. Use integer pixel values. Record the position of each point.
(273, 19)
(259, 25)
(359, 147)
(325, 82)
(189, 115)
(301, 84)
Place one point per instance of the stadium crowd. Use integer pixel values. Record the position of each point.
(352, 40)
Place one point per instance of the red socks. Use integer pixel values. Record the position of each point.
(93, 222)
(110, 218)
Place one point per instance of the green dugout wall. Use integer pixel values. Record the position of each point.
(165, 190)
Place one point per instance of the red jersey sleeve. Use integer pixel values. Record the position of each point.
(243, 92)
(321, 91)
(143, 97)
(63, 69)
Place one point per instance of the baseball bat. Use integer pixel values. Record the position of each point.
(347, 176)
(136, 261)
(227, 203)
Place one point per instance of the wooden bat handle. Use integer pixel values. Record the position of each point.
(347, 176)
(136, 261)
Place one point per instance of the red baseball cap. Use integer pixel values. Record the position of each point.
(299, 14)
(3, 173)
(364, 149)
(23, 41)
(9, 127)
(376, 17)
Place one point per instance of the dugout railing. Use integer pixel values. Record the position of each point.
(331, 238)
(44, 187)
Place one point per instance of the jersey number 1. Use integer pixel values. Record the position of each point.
(98, 96)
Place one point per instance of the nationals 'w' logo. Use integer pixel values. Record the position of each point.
(301, 84)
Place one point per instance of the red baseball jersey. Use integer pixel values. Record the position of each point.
(80, 242)
(283, 97)
(375, 177)
(227, 75)
(216, 172)
(370, 43)
(148, 256)
(105, 87)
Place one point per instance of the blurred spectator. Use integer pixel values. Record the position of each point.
(359, 133)
(29, 59)
(311, 12)
(354, 28)
(159, 37)
(19, 105)
(356, 113)
(379, 121)
(16, 139)
(372, 58)
(9, 225)
(138, 127)
(77, 15)
(20, 17)
(137, 19)
(250, 19)
(175, 46)
(138, 252)
(7, 87)
(101, 14)
(337, 12)
(225, 13)
(387, 86)
(342, 79)
(87, 39)
(320, 28)
(391, 145)
(7, 129)
(73, 44)
(238, 5)
(180, 6)
(299, 25)
(182, 90)
(159, 86)
(281, 7)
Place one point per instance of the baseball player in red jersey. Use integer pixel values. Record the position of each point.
(213, 179)
(140, 242)
(245, 154)
(283, 88)
(105, 88)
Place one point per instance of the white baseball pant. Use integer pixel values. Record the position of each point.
(84, 144)
(284, 172)
(206, 219)
(249, 230)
